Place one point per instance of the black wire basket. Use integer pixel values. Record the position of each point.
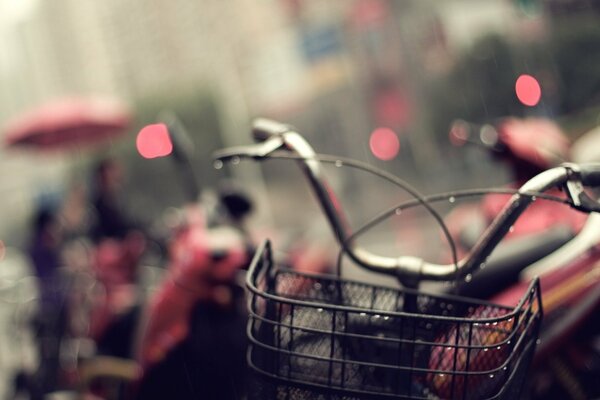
(321, 337)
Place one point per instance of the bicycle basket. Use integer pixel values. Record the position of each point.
(321, 337)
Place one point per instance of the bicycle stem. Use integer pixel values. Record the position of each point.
(408, 269)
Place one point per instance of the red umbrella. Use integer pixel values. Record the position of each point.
(68, 123)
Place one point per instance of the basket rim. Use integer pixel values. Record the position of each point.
(532, 292)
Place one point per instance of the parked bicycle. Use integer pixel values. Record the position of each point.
(326, 337)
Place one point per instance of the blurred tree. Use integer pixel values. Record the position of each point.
(575, 48)
(481, 86)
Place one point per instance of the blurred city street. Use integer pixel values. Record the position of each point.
(122, 236)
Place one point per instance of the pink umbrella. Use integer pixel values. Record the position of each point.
(68, 123)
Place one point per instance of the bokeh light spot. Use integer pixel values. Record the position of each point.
(384, 144)
(528, 90)
(154, 141)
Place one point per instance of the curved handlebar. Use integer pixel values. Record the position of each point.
(409, 270)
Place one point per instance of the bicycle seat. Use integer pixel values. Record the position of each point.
(509, 259)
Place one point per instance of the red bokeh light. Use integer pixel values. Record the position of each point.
(528, 90)
(384, 144)
(154, 141)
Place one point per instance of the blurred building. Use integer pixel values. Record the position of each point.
(327, 66)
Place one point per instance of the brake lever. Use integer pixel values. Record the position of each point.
(574, 188)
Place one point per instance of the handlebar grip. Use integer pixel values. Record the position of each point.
(590, 175)
(263, 129)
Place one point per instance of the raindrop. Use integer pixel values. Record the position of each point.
(482, 265)
(386, 318)
(451, 199)
(538, 341)
(504, 369)
(441, 375)
(508, 342)
(511, 229)
(317, 286)
(491, 375)
(486, 349)
(398, 211)
(218, 164)
(468, 278)
(319, 310)
(235, 160)
(377, 316)
(362, 314)
(533, 198)
(499, 348)
(339, 163)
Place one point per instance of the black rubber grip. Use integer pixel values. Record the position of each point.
(590, 175)
(263, 129)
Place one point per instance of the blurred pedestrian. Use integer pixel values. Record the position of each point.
(119, 244)
(50, 323)
(111, 218)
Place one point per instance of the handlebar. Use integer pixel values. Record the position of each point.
(408, 269)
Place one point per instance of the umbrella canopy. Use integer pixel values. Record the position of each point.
(68, 123)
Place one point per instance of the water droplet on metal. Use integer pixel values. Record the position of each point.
(468, 278)
(398, 211)
(533, 198)
(362, 314)
(511, 229)
(218, 164)
(451, 199)
(491, 375)
(235, 160)
(339, 163)
(482, 265)
(319, 310)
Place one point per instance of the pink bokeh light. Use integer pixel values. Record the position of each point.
(154, 141)
(384, 144)
(528, 90)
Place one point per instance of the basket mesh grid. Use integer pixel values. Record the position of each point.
(319, 337)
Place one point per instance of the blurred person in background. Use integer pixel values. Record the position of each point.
(119, 242)
(50, 322)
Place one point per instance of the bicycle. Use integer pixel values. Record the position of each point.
(326, 337)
